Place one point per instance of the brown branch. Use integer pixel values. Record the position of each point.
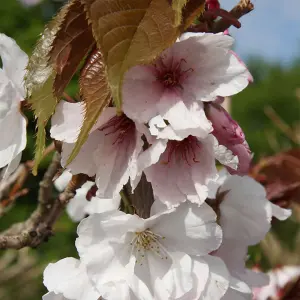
(241, 9)
(38, 227)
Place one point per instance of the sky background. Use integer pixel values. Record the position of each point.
(272, 30)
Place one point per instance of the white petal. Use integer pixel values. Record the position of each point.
(68, 277)
(245, 203)
(67, 121)
(200, 271)
(76, 207)
(14, 62)
(151, 155)
(186, 117)
(178, 280)
(83, 162)
(225, 156)
(106, 262)
(12, 166)
(115, 165)
(238, 291)
(218, 281)
(208, 172)
(62, 181)
(100, 205)
(190, 229)
(280, 213)
(215, 184)
(53, 296)
(12, 142)
(111, 225)
(141, 92)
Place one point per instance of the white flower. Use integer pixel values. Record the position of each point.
(198, 67)
(12, 92)
(180, 170)
(83, 203)
(152, 255)
(279, 278)
(68, 277)
(243, 200)
(110, 151)
(234, 255)
(67, 280)
(245, 216)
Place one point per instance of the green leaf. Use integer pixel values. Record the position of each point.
(178, 5)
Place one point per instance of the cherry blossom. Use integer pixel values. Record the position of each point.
(110, 152)
(68, 277)
(230, 135)
(180, 170)
(12, 92)
(279, 278)
(151, 254)
(83, 203)
(244, 200)
(198, 67)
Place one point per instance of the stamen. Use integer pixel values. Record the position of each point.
(183, 150)
(120, 126)
(173, 75)
(148, 241)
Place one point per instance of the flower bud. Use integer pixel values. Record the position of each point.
(229, 134)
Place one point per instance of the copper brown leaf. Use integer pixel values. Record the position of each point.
(95, 93)
(71, 44)
(191, 10)
(39, 81)
(280, 174)
(130, 32)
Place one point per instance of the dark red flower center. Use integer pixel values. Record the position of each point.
(120, 126)
(185, 150)
(172, 74)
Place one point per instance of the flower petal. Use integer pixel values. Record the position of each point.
(76, 206)
(185, 116)
(68, 277)
(141, 93)
(190, 229)
(67, 121)
(14, 62)
(218, 281)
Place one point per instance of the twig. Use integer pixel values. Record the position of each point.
(241, 9)
(280, 124)
(38, 227)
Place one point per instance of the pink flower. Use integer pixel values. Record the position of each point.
(180, 170)
(229, 134)
(110, 151)
(198, 67)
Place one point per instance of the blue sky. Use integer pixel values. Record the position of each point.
(272, 30)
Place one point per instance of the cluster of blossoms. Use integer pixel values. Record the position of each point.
(280, 279)
(173, 128)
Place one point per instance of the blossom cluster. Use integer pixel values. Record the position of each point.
(173, 128)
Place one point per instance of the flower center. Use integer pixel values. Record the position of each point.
(185, 150)
(119, 126)
(172, 74)
(148, 241)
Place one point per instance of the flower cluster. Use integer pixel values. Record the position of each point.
(193, 244)
(173, 129)
(186, 252)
